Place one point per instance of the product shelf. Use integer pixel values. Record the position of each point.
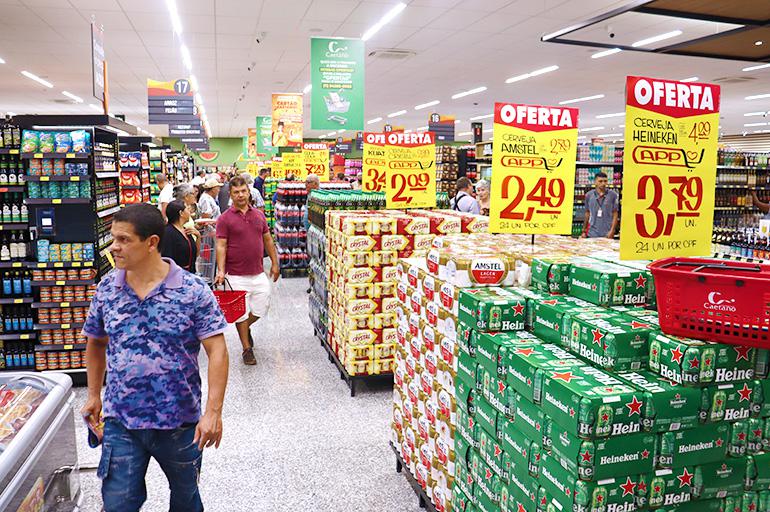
(11, 188)
(60, 200)
(64, 282)
(55, 327)
(13, 264)
(59, 264)
(66, 370)
(109, 211)
(9, 151)
(107, 174)
(17, 336)
(13, 226)
(17, 300)
(60, 347)
(599, 164)
(68, 156)
(64, 304)
(57, 178)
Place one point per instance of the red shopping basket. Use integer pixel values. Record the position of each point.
(231, 302)
(714, 300)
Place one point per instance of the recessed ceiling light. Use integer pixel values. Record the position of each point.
(537, 72)
(422, 128)
(37, 79)
(610, 135)
(757, 97)
(307, 88)
(758, 66)
(469, 92)
(615, 114)
(752, 114)
(756, 124)
(426, 105)
(655, 39)
(463, 134)
(605, 53)
(71, 96)
(375, 120)
(488, 130)
(689, 79)
(2, 61)
(478, 118)
(757, 43)
(396, 114)
(584, 98)
(593, 129)
(392, 13)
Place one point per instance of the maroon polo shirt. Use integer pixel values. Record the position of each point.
(245, 246)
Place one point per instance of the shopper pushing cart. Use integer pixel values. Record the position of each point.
(209, 212)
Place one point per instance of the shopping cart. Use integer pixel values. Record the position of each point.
(206, 266)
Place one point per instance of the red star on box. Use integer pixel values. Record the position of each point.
(719, 442)
(537, 457)
(685, 478)
(694, 362)
(487, 474)
(525, 351)
(550, 275)
(676, 355)
(745, 393)
(529, 381)
(565, 376)
(500, 387)
(567, 491)
(628, 487)
(741, 436)
(707, 361)
(543, 501)
(655, 351)
(498, 451)
(572, 412)
(678, 396)
(600, 498)
(743, 353)
(719, 401)
(645, 454)
(598, 335)
(551, 302)
(537, 427)
(640, 281)
(609, 390)
(656, 488)
(639, 325)
(470, 423)
(518, 308)
(593, 287)
(642, 487)
(757, 433)
(752, 506)
(520, 508)
(605, 417)
(586, 456)
(524, 453)
(470, 480)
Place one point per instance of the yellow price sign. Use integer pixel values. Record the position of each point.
(55, 201)
(24, 336)
(669, 168)
(64, 304)
(293, 164)
(374, 162)
(16, 264)
(276, 169)
(67, 347)
(533, 169)
(70, 155)
(18, 301)
(38, 155)
(45, 178)
(65, 326)
(315, 156)
(60, 283)
(410, 178)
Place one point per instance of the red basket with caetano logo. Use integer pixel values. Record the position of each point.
(715, 300)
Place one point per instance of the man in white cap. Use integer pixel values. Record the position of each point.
(207, 204)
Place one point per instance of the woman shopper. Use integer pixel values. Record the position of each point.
(463, 200)
(482, 196)
(179, 244)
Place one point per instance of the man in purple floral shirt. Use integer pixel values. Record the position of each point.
(145, 327)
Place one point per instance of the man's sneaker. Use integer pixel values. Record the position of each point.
(248, 357)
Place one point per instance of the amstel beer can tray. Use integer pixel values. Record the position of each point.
(424, 499)
(352, 380)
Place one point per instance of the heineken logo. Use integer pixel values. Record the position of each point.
(726, 375)
(582, 284)
(634, 407)
(622, 429)
(551, 325)
(634, 299)
(685, 478)
(595, 358)
(554, 401)
(488, 355)
(467, 310)
(642, 382)
(736, 414)
(598, 335)
(508, 325)
(696, 447)
(555, 481)
(557, 351)
(481, 412)
(513, 442)
(602, 377)
(565, 376)
(645, 454)
(516, 373)
(628, 487)
(640, 281)
(671, 375)
(675, 499)
(745, 393)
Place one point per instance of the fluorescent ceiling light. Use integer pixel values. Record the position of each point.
(463, 134)
(488, 130)
(754, 68)
(757, 43)
(194, 83)
(307, 88)
(198, 98)
(37, 79)
(581, 137)
(392, 13)
(340, 131)
(593, 129)
(605, 53)
(2, 61)
(375, 120)
(655, 39)
(690, 79)
(751, 114)
(757, 97)
(71, 96)
(468, 92)
(584, 98)
(756, 124)
(610, 135)
(396, 114)
(422, 128)
(605, 116)
(96, 107)
(426, 105)
(485, 116)
(331, 134)
(176, 22)
(537, 72)
(186, 59)
(407, 131)
(761, 131)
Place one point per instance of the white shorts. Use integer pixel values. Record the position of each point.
(257, 290)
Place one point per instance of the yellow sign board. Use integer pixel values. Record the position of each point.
(294, 165)
(410, 178)
(316, 159)
(533, 169)
(669, 168)
(374, 162)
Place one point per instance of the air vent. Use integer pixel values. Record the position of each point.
(734, 79)
(392, 53)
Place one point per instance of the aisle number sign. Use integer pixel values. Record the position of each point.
(533, 169)
(316, 159)
(293, 164)
(374, 162)
(669, 168)
(410, 176)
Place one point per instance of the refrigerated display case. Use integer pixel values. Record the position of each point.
(39, 469)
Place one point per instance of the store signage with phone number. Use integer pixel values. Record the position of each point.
(669, 168)
(533, 169)
(316, 159)
(410, 177)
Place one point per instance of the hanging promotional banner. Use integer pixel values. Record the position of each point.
(286, 120)
(374, 162)
(265, 136)
(337, 77)
(294, 164)
(251, 140)
(97, 60)
(669, 168)
(316, 159)
(410, 178)
(171, 102)
(533, 169)
(442, 126)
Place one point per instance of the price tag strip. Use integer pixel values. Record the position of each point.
(533, 169)
(410, 178)
(316, 159)
(374, 162)
(669, 168)
(294, 164)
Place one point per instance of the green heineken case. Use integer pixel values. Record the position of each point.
(551, 275)
(464, 479)
(486, 483)
(492, 348)
(526, 367)
(531, 420)
(762, 365)
(605, 284)
(699, 363)
(715, 505)
(758, 472)
(467, 427)
(466, 380)
(460, 501)
(719, 479)
(548, 315)
(602, 458)
(707, 443)
(496, 391)
(727, 402)
(755, 435)
(612, 342)
(467, 338)
(589, 403)
(491, 452)
(667, 406)
(532, 297)
(487, 416)
(492, 309)
(641, 266)
(523, 451)
(643, 315)
(669, 487)
(760, 407)
(523, 489)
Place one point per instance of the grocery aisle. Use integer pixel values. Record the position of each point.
(294, 439)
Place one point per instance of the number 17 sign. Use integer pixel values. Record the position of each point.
(533, 169)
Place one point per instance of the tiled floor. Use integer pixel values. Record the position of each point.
(294, 439)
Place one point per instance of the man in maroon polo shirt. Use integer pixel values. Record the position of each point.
(242, 237)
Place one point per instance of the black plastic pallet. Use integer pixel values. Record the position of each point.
(416, 487)
(350, 380)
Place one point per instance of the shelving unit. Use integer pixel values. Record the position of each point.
(135, 180)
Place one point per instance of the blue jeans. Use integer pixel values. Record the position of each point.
(126, 454)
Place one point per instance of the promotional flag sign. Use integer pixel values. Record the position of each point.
(669, 168)
(316, 159)
(170, 102)
(374, 162)
(337, 77)
(265, 136)
(533, 169)
(252, 143)
(287, 119)
(293, 164)
(410, 178)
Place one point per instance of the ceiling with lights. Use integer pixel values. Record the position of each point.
(454, 57)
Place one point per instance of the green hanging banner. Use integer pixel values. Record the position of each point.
(264, 136)
(337, 77)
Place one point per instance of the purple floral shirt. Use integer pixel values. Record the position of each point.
(153, 378)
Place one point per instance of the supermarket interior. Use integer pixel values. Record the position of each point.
(383, 255)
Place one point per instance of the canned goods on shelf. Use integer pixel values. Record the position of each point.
(73, 274)
(60, 274)
(44, 316)
(45, 294)
(53, 361)
(66, 315)
(56, 294)
(55, 316)
(58, 337)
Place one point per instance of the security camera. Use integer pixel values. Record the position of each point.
(260, 37)
(610, 32)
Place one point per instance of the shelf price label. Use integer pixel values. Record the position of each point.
(669, 168)
(67, 347)
(315, 156)
(534, 149)
(410, 176)
(374, 162)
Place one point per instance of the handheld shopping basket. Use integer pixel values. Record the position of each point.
(231, 302)
(716, 300)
